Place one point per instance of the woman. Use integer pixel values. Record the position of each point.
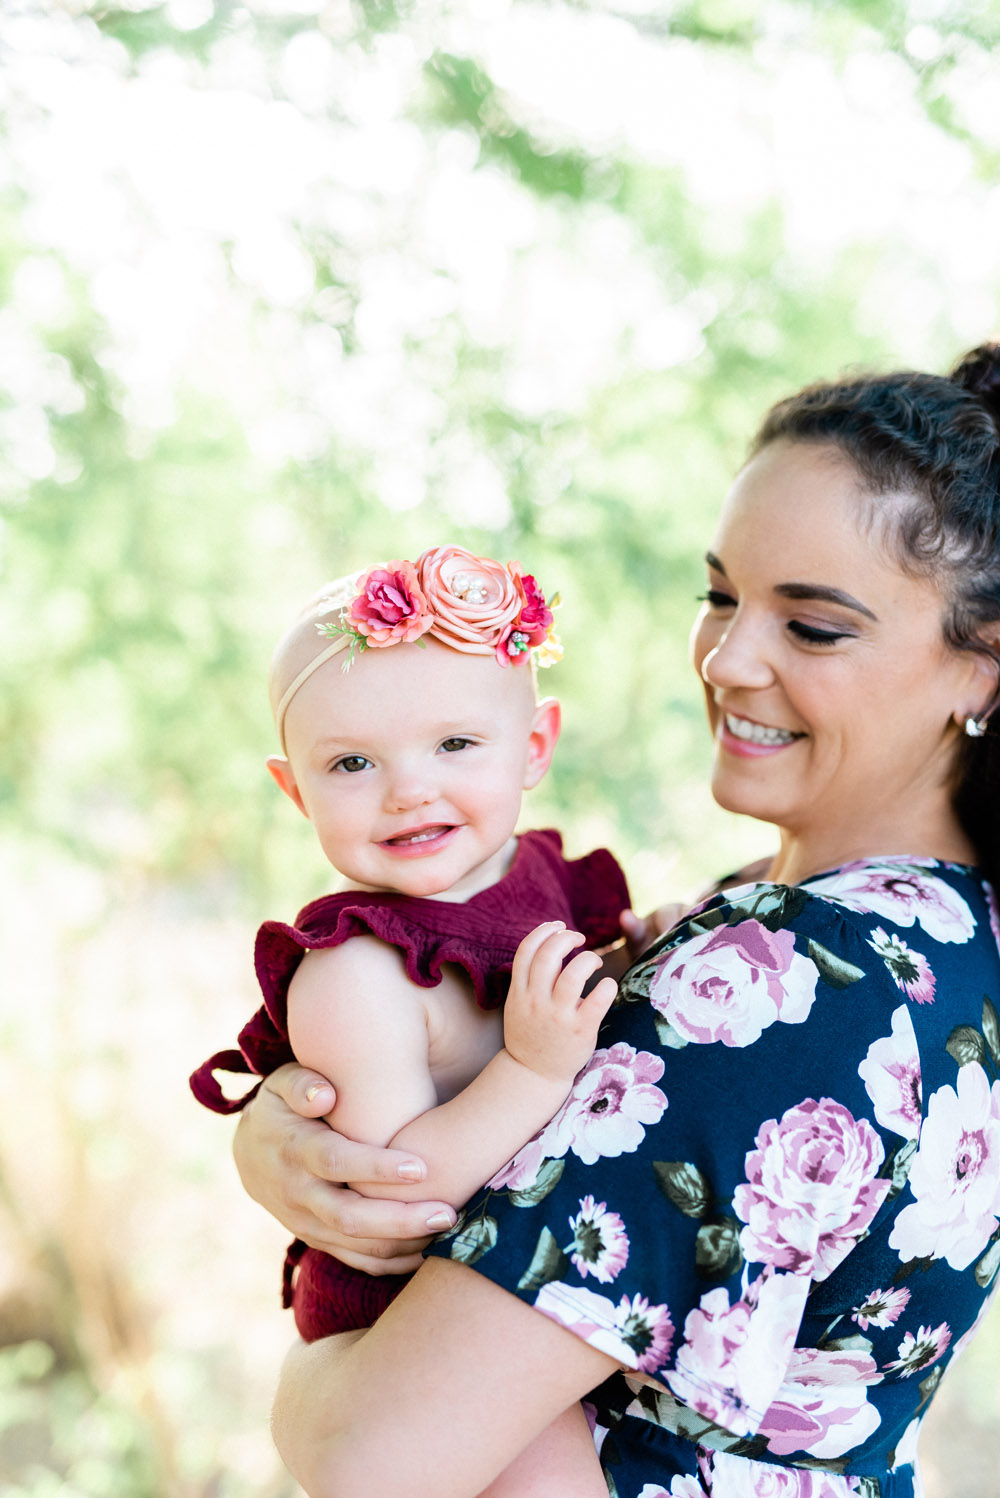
(769, 1213)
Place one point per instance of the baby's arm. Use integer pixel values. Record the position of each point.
(562, 1461)
(355, 1016)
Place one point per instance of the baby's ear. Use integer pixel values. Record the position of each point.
(542, 741)
(282, 773)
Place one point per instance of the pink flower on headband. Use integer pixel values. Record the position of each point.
(390, 607)
(474, 600)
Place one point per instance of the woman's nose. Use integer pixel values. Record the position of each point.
(738, 659)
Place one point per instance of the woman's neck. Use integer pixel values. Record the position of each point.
(802, 856)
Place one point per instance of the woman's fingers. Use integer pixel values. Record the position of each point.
(304, 1091)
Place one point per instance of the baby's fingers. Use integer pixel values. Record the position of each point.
(530, 946)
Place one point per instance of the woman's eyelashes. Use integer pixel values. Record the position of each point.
(811, 634)
(814, 636)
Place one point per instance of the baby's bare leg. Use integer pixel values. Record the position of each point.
(560, 1463)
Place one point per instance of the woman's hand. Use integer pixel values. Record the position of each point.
(296, 1167)
(640, 932)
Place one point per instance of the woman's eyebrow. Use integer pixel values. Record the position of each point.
(805, 590)
(828, 595)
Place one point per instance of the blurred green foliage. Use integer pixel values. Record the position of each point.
(163, 513)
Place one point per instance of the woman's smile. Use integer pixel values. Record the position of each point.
(744, 736)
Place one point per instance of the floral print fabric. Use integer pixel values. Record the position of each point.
(774, 1192)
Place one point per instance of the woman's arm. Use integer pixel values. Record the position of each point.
(451, 1383)
(294, 1165)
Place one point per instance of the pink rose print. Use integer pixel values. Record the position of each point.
(902, 897)
(612, 1101)
(880, 1308)
(474, 599)
(600, 1242)
(822, 1407)
(920, 1351)
(390, 608)
(955, 1175)
(994, 910)
(910, 969)
(891, 1074)
(680, 1487)
(736, 1477)
(812, 1188)
(640, 1335)
(732, 983)
(733, 1357)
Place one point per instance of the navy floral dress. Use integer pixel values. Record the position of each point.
(774, 1191)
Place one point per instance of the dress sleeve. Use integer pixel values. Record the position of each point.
(717, 1156)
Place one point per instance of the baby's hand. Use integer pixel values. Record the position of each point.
(548, 1025)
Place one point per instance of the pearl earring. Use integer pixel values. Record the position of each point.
(975, 728)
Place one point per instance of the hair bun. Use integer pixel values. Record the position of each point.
(979, 372)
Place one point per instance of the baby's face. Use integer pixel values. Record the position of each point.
(411, 765)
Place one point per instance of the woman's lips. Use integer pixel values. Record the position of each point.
(750, 740)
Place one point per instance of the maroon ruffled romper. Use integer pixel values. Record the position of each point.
(480, 935)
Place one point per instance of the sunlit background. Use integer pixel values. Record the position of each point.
(289, 287)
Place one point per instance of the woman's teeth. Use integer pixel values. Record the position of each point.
(757, 733)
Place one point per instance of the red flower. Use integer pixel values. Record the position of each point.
(390, 608)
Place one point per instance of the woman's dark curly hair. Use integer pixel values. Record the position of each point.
(935, 440)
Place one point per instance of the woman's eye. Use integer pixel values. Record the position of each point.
(815, 636)
(716, 599)
(451, 745)
(352, 763)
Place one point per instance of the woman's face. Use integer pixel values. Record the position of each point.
(832, 695)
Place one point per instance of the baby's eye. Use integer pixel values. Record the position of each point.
(450, 746)
(716, 599)
(352, 763)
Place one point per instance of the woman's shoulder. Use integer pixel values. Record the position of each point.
(896, 926)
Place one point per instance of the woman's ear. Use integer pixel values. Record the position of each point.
(544, 736)
(283, 775)
(983, 691)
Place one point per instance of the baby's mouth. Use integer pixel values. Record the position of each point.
(418, 835)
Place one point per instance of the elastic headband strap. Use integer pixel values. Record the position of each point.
(334, 648)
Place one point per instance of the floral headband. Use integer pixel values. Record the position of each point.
(472, 604)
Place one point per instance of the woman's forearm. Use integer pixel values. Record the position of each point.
(413, 1405)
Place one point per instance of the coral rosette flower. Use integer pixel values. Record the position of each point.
(474, 600)
(390, 607)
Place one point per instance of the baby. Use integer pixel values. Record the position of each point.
(406, 708)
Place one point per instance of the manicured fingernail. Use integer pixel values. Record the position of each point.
(439, 1221)
(410, 1170)
(314, 1091)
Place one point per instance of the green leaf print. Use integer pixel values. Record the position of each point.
(988, 1265)
(896, 1167)
(991, 1030)
(965, 1044)
(684, 1185)
(548, 1262)
(773, 905)
(474, 1240)
(717, 1252)
(833, 969)
(545, 1181)
(666, 1034)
